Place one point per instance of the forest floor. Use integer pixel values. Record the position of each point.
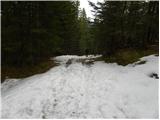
(26, 71)
(127, 56)
(122, 57)
(81, 87)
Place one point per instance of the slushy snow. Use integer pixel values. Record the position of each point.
(101, 90)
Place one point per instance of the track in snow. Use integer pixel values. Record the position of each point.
(79, 91)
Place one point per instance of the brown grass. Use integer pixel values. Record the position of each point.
(127, 56)
(22, 72)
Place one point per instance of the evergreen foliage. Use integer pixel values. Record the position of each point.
(125, 24)
(36, 30)
(32, 31)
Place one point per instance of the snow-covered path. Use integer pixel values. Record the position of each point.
(80, 91)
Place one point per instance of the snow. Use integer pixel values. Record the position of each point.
(63, 59)
(102, 90)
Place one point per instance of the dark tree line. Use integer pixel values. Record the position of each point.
(33, 31)
(125, 24)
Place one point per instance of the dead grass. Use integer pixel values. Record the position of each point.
(22, 72)
(127, 56)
